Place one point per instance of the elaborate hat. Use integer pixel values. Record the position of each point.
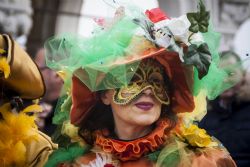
(17, 79)
(110, 58)
(20, 79)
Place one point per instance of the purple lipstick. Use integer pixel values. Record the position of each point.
(144, 105)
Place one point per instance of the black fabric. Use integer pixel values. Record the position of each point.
(232, 127)
(50, 128)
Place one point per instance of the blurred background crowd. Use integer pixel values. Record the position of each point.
(228, 119)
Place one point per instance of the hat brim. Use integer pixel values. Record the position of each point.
(25, 79)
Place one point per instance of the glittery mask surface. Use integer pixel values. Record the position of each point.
(148, 75)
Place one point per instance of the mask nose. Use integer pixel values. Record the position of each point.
(148, 92)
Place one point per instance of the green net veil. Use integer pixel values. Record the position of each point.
(213, 81)
(97, 61)
(100, 61)
(218, 79)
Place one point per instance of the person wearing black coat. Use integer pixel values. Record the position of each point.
(228, 117)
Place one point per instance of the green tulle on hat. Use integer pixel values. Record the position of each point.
(92, 60)
(100, 61)
(217, 79)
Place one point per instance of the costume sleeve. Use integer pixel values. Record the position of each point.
(38, 151)
(212, 157)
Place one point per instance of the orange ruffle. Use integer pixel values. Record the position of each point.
(132, 150)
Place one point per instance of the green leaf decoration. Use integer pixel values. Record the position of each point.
(199, 20)
(200, 57)
(154, 155)
(66, 154)
(59, 138)
(62, 110)
(173, 159)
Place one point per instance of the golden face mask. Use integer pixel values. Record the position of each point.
(148, 75)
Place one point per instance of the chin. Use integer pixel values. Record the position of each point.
(145, 121)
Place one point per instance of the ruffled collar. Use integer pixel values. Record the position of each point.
(132, 150)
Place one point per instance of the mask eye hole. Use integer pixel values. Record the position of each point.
(156, 78)
(138, 77)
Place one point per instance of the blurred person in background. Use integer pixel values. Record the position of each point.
(228, 117)
(53, 87)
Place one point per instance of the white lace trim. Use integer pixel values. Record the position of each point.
(101, 160)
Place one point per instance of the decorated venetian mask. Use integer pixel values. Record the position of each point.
(149, 74)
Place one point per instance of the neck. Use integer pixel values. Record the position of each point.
(130, 132)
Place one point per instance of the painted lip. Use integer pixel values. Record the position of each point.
(144, 105)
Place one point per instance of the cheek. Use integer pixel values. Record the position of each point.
(156, 113)
(120, 110)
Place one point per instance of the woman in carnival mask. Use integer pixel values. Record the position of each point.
(136, 86)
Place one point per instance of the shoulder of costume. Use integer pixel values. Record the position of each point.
(39, 151)
(22, 140)
(189, 145)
